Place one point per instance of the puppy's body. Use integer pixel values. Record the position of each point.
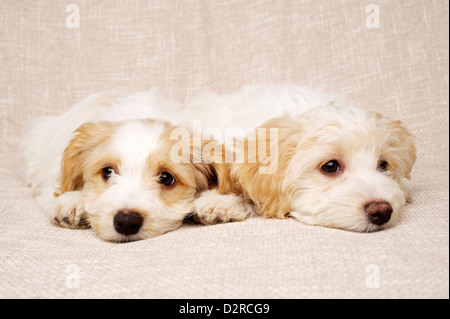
(253, 105)
(107, 164)
(338, 166)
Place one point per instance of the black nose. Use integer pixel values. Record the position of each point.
(127, 222)
(379, 212)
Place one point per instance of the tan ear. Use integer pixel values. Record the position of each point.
(407, 146)
(221, 174)
(218, 171)
(86, 138)
(266, 190)
(401, 147)
(224, 182)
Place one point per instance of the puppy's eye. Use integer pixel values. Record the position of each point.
(330, 167)
(107, 173)
(383, 166)
(166, 179)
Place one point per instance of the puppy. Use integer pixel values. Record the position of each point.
(106, 164)
(336, 166)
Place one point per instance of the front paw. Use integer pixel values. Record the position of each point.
(215, 208)
(71, 218)
(68, 211)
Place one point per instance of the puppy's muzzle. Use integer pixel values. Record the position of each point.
(379, 212)
(128, 222)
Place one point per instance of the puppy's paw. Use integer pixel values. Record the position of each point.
(68, 211)
(213, 208)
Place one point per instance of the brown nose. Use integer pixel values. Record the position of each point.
(379, 212)
(127, 222)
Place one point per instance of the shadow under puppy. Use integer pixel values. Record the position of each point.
(336, 166)
(104, 164)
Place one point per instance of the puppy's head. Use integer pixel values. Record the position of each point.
(337, 167)
(350, 169)
(131, 187)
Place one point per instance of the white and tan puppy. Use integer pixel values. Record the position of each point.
(106, 164)
(336, 166)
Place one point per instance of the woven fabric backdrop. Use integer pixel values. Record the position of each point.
(49, 60)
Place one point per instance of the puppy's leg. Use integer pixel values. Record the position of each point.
(67, 210)
(212, 208)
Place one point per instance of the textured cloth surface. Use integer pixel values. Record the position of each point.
(182, 48)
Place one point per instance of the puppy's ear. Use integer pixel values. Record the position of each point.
(213, 157)
(400, 149)
(266, 189)
(85, 139)
(221, 176)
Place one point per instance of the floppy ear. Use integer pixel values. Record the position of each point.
(407, 146)
(86, 138)
(266, 189)
(218, 171)
(221, 176)
(400, 148)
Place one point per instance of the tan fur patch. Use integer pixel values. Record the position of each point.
(400, 152)
(86, 138)
(266, 189)
(97, 183)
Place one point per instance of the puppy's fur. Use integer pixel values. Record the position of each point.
(374, 155)
(130, 136)
(359, 141)
(105, 164)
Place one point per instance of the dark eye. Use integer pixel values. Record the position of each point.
(166, 179)
(330, 167)
(383, 166)
(107, 172)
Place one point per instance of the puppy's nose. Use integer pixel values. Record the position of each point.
(127, 222)
(379, 212)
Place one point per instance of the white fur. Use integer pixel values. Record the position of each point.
(131, 189)
(326, 123)
(252, 105)
(212, 207)
(132, 142)
(358, 140)
(47, 138)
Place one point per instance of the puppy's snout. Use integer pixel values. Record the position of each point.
(128, 222)
(379, 212)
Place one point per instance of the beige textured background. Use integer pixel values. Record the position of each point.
(182, 48)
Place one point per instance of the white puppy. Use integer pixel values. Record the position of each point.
(336, 166)
(108, 163)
